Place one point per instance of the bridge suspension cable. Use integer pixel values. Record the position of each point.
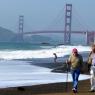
(83, 24)
(59, 18)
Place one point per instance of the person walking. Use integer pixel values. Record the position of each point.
(75, 61)
(91, 63)
(55, 57)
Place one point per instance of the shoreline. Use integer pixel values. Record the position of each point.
(49, 89)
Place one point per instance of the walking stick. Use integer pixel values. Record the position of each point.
(67, 69)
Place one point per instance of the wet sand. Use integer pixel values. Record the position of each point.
(49, 89)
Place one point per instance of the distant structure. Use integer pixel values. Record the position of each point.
(89, 35)
(68, 20)
(21, 26)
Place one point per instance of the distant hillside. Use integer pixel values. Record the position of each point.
(9, 36)
(6, 35)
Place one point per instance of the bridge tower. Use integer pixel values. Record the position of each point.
(90, 38)
(68, 20)
(21, 26)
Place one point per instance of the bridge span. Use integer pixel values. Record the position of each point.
(57, 31)
(89, 35)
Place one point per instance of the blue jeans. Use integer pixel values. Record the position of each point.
(75, 75)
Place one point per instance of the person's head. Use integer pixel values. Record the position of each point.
(93, 48)
(54, 53)
(75, 51)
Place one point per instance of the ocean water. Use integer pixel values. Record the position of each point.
(32, 72)
(11, 51)
(23, 46)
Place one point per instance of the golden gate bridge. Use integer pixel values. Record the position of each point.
(89, 35)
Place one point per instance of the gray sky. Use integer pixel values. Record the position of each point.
(42, 14)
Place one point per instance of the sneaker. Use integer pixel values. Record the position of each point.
(92, 90)
(74, 90)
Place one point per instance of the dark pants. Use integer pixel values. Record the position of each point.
(75, 75)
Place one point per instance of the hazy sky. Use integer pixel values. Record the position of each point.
(42, 14)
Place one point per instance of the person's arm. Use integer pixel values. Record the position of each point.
(89, 61)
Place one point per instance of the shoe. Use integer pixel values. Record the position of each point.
(92, 90)
(74, 90)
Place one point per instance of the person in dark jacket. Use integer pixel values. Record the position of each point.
(55, 57)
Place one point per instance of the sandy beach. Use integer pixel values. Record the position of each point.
(54, 88)
(49, 89)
